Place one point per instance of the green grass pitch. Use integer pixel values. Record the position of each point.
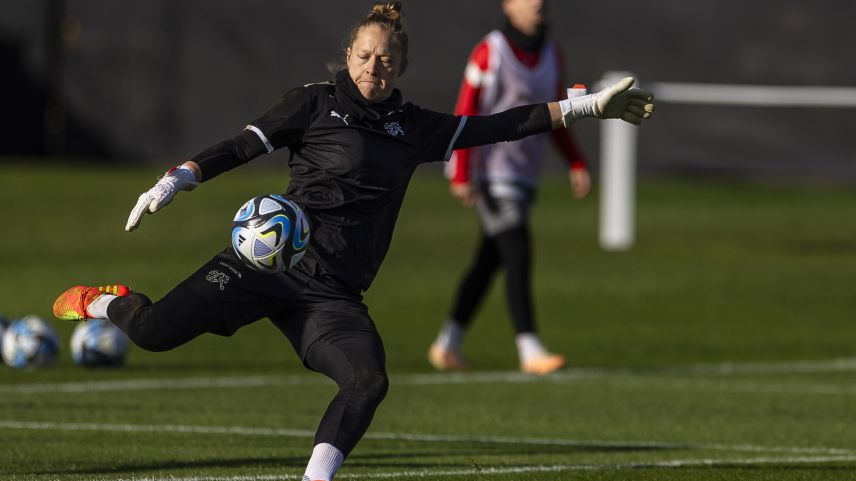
(720, 347)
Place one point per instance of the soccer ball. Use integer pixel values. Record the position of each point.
(29, 343)
(98, 343)
(4, 323)
(270, 233)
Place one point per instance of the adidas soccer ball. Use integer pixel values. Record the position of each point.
(98, 343)
(29, 343)
(270, 233)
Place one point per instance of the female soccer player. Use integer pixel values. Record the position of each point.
(354, 145)
(512, 66)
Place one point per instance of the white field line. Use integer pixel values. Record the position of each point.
(558, 468)
(507, 377)
(763, 387)
(555, 468)
(169, 383)
(433, 438)
(846, 364)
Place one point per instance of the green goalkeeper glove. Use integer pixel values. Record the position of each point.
(618, 101)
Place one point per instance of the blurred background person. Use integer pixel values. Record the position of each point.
(515, 65)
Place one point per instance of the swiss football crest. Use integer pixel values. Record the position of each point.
(393, 128)
(218, 277)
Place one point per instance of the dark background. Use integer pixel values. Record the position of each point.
(159, 80)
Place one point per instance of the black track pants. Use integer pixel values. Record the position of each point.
(329, 329)
(511, 249)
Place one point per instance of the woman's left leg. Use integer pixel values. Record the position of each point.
(339, 340)
(355, 360)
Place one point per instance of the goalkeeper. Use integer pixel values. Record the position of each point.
(354, 144)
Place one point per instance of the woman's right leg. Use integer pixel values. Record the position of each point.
(444, 353)
(220, 297)
(180, 316)
(475, 282)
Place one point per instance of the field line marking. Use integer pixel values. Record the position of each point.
(438, 438)
(159, 428)
(845, 364)
(511, 377)
(721, 369)
(555, 468)
(165, 383)
(732, 385)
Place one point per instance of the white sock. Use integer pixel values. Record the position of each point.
(529, 346)
(324, 463)
(97, 309)
(451, 335)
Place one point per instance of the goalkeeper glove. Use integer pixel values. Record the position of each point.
(175, 179)
(618, 101)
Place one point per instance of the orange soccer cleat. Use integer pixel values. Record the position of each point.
(71, 305)
(446, 359)
(542, 365)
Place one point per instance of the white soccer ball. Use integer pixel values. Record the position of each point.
(98, 343)
(270, 233)
(29, 343)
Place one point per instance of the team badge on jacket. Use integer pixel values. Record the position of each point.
(393, 128)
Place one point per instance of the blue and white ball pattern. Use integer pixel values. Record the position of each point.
(29, 343)
(98, 343)
(270, 233)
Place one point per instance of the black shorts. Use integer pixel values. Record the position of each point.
(304, 307)
(503, 206)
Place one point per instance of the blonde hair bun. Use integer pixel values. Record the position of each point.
(391, 10)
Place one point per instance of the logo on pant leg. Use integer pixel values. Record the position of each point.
(232, 269)
(218, 277)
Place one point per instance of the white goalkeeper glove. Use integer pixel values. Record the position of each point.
(618, 101)
(175, 179)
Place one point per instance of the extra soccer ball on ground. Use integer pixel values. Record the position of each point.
(270, 233)
(98, 343)
(29, 343)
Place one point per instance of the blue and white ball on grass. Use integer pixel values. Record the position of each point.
(98, 343)
(270, 233)
(4, 323)
(29, 343)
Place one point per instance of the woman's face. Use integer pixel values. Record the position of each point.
(525, 15)
(374, 63)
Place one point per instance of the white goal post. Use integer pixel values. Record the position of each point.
(618, 139)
